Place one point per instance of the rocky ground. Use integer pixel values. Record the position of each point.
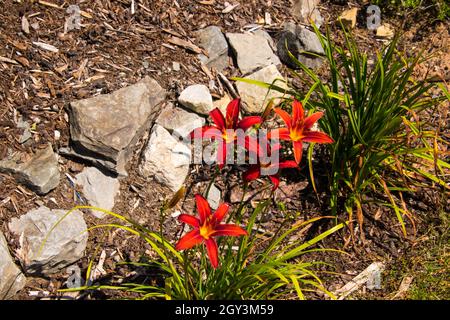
(90, 115)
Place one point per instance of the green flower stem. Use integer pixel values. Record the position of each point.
(216, 173)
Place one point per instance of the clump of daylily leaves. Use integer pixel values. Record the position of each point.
(224, 132)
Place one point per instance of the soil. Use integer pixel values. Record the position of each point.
(115, 48)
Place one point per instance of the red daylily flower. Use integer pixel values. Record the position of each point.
(299, 129)
(265, 165)
(224, 128)
(206, 227)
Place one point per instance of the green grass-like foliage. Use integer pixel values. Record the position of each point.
(440, 9)
(382, 145)
(372, 116)
(251, 267)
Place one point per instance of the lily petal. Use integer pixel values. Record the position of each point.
(221, 211)
(232, 113)
(206, 132)
(280, 133)
(298, 150)
(189, 240)
(217, 116)
(252, 173)
(288, 164)
(190, 220)
(247, 122)
(285, 116)
(275, 181)
(309, 121)
(298, 113)
(229, 230)
(316, 136)
(204, 211)
(211, 247)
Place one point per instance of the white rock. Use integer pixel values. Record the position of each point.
(98, 189)
(176, 66)
(254, 96)
(179, 121)
(12, 279)
(46, 251)
(214, 196)
(165, 159)
(197, 98)
(252, 51)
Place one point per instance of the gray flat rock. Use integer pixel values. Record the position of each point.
(105, 128)
(39, 172)
(46, 251)
(213, 41)
(179, 121)
(99, 189)
(252, 51)
(302, 44)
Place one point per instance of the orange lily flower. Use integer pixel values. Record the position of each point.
(265, 166)
(224, 128)
(206, 227)
(299, 129)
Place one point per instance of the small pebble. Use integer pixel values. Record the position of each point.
(175, 214)
(176, 66)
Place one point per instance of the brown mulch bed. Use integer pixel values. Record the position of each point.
(115, 48)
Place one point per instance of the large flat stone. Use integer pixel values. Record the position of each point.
(39, 171)
(165, 159)
(253, 96)
(12, 279)
(105, 128)
(46, 247)
(213, 41)
(252, 51)
(179, 121)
